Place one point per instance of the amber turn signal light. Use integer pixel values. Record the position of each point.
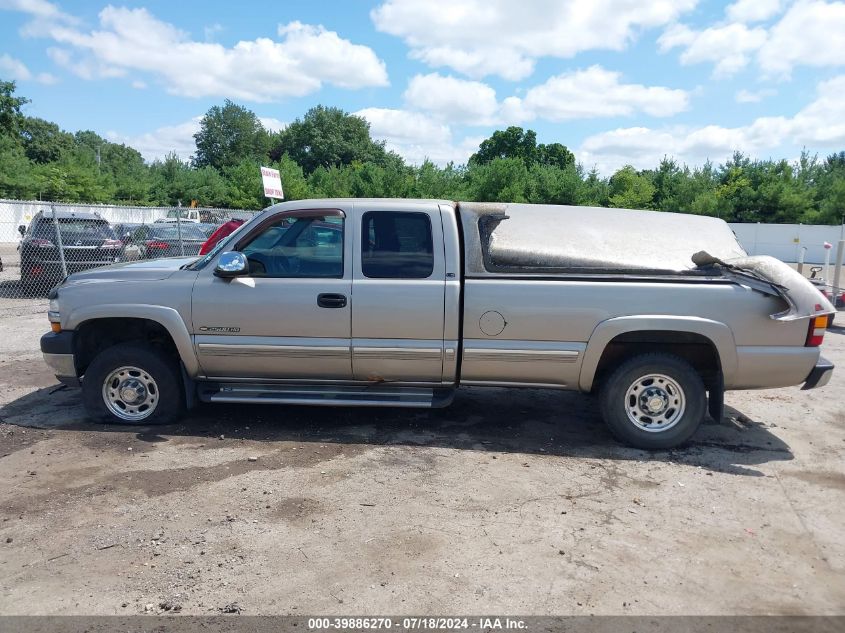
(815, 333)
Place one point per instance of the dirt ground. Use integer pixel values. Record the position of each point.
(510, 501)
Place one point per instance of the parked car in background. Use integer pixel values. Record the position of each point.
(208, 228)
(219, 233)
(187, 215)
(87, 242)
(152, 241)
(123, 229)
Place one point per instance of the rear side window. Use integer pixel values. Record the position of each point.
(396, 245)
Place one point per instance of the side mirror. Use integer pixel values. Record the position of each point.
(231, 264)
(21, 229)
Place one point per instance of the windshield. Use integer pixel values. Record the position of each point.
(220, 246)
(189, 232)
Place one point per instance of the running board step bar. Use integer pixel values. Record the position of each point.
(328, 395)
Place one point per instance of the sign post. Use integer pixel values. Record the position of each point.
(272, 180)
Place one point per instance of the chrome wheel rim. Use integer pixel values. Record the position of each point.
(130, 393)
(655, 403)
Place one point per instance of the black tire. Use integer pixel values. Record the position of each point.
(169, 405)
(615, 405)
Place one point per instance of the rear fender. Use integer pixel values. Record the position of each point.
(718, 333)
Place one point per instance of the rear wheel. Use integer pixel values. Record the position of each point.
(654, 401)
(130, 384)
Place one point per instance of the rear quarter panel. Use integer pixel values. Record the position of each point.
(548, 337)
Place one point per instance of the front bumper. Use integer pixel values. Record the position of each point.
(57, 349)
(820, 375)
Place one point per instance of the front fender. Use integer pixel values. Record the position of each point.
(719, 334)
(168, 318)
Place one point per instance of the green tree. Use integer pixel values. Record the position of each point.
(16, 177)
(44, 141)
(552, 185)
(514, 142)
(501, 180)
(630, 189)
(10, 109)
(328, 137)
(228, 135)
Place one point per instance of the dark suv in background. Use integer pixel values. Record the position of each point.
(87, 242)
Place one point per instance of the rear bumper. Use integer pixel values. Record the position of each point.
(820, 375)
(57, 349)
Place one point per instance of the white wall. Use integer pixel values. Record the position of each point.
(785, 241)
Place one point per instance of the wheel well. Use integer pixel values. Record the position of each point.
(698, 350)
(92, 337)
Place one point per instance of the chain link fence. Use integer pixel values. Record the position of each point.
(41, 243)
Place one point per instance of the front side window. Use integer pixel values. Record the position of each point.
(396, 245)
(298, 247)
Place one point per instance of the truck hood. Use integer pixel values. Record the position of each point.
(147, 270)
(775, 277)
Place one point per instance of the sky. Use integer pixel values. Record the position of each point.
(617, 81)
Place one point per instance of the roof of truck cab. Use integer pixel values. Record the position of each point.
(327, 202)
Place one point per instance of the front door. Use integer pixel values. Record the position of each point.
(399, 283)
(290, 318)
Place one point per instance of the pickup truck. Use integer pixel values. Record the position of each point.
(397, 303)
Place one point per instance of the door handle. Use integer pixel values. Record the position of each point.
(331, 300)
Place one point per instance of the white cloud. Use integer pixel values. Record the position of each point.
(729, 47)
(753, 10)
(820, 124)
(272, 125)
(416, 136)
(811, 33)
(15, 69)
(38, 9)
(178, 139)
(133, 40)
(591, 93)
(753, 96)
(451, 99)
(505, 38)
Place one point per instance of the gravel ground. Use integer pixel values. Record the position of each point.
(510, 501)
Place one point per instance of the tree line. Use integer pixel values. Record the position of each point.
(330, 153)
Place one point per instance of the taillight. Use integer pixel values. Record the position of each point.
(42, 243)
(815, 333)
(157, 246)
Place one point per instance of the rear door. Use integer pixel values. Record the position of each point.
(398, 285)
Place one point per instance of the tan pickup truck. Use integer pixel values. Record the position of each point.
(397, 303)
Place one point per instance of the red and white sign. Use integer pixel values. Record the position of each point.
(272, 183)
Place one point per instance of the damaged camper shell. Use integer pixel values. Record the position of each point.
(357, 302)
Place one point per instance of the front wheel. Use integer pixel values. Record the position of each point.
(654, 401)
(131, 384)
